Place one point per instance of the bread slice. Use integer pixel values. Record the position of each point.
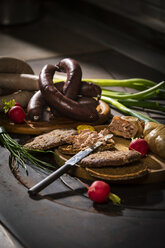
(49, 140)
(117, 174)
(110, 158)
(70, 150)
(122, 173)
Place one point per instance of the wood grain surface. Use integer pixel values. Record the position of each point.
(150, 169)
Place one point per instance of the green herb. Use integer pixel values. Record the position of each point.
(126, 110)
(135, 99)
(134, 83)
(147, 90)
(8, 105)
(138, 95)
(19, 153)
(143, 104)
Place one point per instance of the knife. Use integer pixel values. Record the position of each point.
(68, 165)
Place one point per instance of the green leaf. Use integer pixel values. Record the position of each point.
(8, 105)
(115, 199)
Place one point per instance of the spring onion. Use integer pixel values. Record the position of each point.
(137, 95)
(134, 83)
(143, 104)
(126, 110)
(147, 90)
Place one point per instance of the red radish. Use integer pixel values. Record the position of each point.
(14, 110)
(99, 191)
(17, 114)
(139, 145)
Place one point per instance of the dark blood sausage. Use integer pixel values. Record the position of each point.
(72, 86)
(87, 100)
(37, 103)
(64, 105)
(35, 107)
(90, 90)
(74, 75)
(86, 89)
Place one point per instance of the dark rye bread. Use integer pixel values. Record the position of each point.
(110, 158)
(50, 140)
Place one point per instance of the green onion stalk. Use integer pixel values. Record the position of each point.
(139, 84)
(114, 99)
(134, 83)
(139, 95)
(128, 96)
(21, 154)
(126, 110)
(147, 89)
(143, 104)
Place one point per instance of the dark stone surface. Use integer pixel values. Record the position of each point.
(63, 217)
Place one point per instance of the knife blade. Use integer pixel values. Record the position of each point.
(64, 168)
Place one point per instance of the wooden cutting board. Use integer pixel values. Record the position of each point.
(150, 169)
(36, 128)
(155, 171)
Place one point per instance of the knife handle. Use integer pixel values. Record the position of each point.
(49, 179)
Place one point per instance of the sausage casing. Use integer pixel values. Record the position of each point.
(64, 105)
